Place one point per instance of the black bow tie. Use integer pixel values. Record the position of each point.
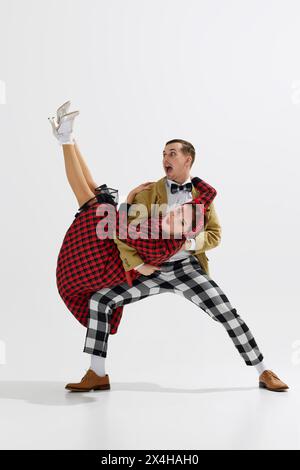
(183, 187)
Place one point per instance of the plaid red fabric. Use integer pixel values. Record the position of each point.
(163, 247)
(87, 263)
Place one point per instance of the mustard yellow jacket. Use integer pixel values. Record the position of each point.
(207, 239)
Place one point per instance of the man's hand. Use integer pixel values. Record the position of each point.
(147, 269)
(186, 245)
(137, 190)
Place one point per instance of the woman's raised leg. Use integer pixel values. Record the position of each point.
(85, 170)
(75, 175)
(76, 168)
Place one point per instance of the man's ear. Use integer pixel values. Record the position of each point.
(189, 160)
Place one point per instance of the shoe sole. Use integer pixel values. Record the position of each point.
(263, 385)
(98, 388)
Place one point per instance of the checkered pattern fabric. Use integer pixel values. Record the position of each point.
(185, 278)
(87, 263)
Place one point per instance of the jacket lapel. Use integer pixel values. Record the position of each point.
(195, 193)
(161, 191)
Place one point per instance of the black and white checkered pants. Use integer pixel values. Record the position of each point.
(184, 277)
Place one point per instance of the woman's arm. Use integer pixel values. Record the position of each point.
(206, 192)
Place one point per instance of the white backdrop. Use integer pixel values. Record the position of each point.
(224, 75)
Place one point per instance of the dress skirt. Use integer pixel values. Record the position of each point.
(87, 264)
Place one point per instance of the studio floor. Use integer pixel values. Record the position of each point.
(148, 415)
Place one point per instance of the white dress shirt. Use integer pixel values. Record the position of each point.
(175, 200)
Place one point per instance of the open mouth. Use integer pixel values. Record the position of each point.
(168, 168)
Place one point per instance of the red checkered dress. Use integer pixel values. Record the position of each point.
(87, 263)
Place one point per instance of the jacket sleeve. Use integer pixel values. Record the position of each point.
(128, 254)
(210, 237)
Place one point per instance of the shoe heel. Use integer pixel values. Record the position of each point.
(71, 115)
(262, 385)
(102, 387)
(63, 107)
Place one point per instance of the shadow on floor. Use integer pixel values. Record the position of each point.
(54, 393)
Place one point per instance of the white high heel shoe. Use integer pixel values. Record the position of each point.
(63, 130)
(62, 110)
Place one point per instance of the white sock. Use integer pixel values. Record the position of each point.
(66, 139)
(261, 367)
(98, 365)
(65, 133)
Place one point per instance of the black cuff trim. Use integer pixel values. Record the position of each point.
(196, 180)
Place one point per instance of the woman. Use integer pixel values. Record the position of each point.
(88, 260)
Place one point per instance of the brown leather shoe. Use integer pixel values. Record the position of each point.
(271, 382)
(91, 381)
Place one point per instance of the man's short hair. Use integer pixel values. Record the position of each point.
(186, 147)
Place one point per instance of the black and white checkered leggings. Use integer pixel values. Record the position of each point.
(184, 277)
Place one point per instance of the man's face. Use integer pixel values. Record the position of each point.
(175, 163)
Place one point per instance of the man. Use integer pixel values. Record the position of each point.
(186, 273)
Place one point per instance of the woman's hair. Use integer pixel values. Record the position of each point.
(193, 225)
(198, 219)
